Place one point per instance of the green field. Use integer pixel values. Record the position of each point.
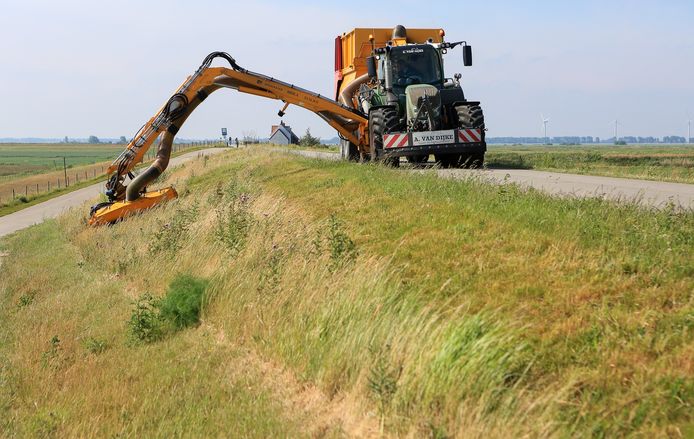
(651, 162)
(20, 160)
(346, 300)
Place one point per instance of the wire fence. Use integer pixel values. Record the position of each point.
(25, 188)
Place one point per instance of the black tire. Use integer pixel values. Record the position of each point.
(418, 160)
(446, 161)
(382, 121)
(471, 116)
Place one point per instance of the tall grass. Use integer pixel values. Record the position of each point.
(418, 307)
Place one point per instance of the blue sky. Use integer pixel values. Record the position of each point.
(83, 67)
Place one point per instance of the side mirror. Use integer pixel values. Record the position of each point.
(371, 66)
(467, 55)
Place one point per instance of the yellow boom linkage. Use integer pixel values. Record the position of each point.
(127, 199)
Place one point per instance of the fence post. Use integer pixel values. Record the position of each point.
(13, 193)
(49, 185)
(26, 190)
(37, 188)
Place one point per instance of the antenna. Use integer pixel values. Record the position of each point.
(544, 127)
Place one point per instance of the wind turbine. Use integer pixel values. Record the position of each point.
(544, 127)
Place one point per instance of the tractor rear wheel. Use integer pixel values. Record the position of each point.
(382, 121)
(471, 116)
(446, 161)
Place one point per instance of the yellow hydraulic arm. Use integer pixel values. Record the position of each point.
(123, 200)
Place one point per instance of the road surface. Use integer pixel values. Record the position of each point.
(656, 194)
(55, 206)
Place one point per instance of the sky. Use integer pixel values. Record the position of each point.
(78, 68)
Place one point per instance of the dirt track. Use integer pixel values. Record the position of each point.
(55, 206)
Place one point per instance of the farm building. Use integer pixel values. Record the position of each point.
(283, 135)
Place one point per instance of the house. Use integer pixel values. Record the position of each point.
(282, 135)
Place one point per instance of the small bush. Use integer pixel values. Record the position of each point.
(153, 319)
(145, 324)
(182, 304)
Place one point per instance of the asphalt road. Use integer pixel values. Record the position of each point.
(656, 194)
(55, 206)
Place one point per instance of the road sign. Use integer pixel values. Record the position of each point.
(224, 132)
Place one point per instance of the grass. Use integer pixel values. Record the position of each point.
(354, 300)
(27, 159)
(650, 162)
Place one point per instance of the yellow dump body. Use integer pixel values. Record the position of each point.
(353, 47)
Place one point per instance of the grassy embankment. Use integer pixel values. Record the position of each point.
(664, 163)
(23, 169)
(349, 299)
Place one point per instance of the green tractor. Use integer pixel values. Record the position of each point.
(414, 111)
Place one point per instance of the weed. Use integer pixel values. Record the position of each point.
(170, 236)
(95, 346)
(49, 357)
(342, 248)
(183, 301)
(145, 324)
(272, 273)
(233, 223)
(44, 424)
(26, 299)
(383, 382)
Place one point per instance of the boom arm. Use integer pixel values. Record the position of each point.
(350, 123)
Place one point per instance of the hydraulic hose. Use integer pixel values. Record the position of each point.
(161, 160)
(348, 92)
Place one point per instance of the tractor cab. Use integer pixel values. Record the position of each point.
(416, 64)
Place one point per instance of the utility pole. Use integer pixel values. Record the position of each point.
(65, 169)
(689, 132)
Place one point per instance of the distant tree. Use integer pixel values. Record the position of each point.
(308, 140)
(123, 139)
(93, 139)
(65, 140)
